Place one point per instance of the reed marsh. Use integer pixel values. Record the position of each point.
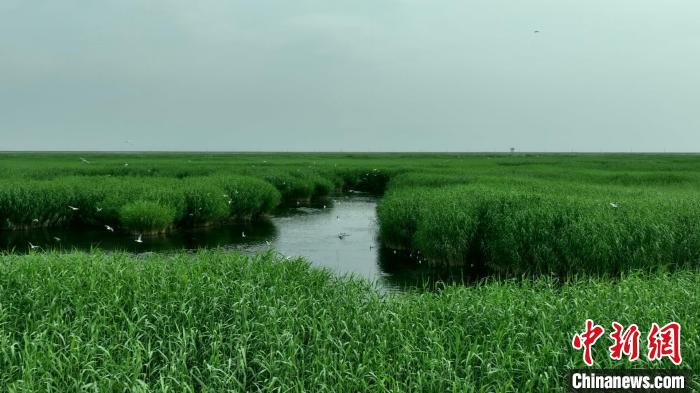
(514, 214)
(565, 238)
(214, 321)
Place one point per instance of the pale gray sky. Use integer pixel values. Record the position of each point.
(379, 75)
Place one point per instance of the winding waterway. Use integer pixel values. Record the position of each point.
(341, 236)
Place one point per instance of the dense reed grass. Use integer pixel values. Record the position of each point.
(214, 321)
(542, 227)
(221, 322)
(513, 213)
(146, 216)
(117, 201)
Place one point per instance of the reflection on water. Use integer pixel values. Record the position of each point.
(342, 236)
(187, 238)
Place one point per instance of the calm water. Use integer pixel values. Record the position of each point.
(341, 237)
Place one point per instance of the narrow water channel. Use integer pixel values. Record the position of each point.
(342, 236)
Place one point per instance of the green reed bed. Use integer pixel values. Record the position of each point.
(214, 321)
(295, 185)
(523, 226)
(133, 203)
(516, 213)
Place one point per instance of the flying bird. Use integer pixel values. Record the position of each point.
(99, 209)
(536, 31)
(31, 246)
(35, 220)
(58, 239)
(138, 240)
(109, 228)
(243, 234)
(84, 160)
(268, 242)
(73, 208)
(342, 235)
(614, 205)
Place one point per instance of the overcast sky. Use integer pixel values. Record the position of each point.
(352, 75)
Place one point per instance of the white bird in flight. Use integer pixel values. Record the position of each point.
(58, 239)
(99, 209)
(73, 208)
(84, 160)
(138, 240)
(35, 220)
(614, 205)
(109, 228)
(31, 246)
(243, 234)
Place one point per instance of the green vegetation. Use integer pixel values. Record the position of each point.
(101, 200)
(585, 236)
(221, 322)
(545, 227)
(146, 216)
(514, 214)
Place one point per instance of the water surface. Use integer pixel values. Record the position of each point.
(341, 235)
